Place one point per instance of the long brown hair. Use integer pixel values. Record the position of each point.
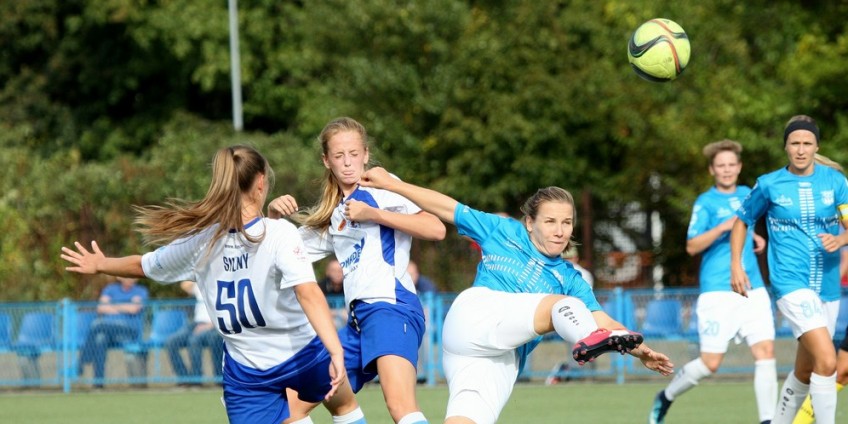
(234, 170)
(331, 194)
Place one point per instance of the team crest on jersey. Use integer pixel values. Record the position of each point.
(827, 197)
(784, 201)
(735, 203)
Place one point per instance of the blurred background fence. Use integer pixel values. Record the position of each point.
(40, 342)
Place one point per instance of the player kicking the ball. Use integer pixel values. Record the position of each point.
(523, 289)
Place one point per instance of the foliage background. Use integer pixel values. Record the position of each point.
(105, 104)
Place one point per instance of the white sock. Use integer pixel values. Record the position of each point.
(306, 420)
(687, 378)
(572, 319)
(791, 396)
(765, 387)
(353, 417)
(823, 397)
(413, 418)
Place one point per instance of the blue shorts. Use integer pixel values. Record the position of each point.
(253, 396)
(378, 329)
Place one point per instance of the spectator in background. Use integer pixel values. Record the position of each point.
(333, 286)
(333, 278)
(119, 321)
(423, 283)
(196, 335)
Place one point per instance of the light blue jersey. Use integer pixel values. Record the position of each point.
(711, 209)
(511, 263)
(797, 210)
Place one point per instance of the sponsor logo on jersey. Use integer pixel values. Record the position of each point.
(784, 201)
(723, 213)
(342, 225)
(353, 259)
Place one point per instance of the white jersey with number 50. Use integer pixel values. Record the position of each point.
(248, 289)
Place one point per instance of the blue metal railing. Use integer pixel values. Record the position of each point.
(52, 360)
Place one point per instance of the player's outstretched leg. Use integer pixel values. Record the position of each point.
(602, 341)
(660, 408)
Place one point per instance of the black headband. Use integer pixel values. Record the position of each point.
(801, 125)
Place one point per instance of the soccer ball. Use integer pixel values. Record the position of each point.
(658, 50)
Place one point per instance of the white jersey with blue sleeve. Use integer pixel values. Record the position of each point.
(797, 210)
(511, 263)
(711, 209)
(374, 257)
(247, 288)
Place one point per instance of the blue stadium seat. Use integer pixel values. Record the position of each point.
(165, 322)
(662, 319)
(692, 328)
(37, 334)
(5, 332)
(781, 325)
(84, 320)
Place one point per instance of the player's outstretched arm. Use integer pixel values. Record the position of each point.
(317, 311)
(85, 262)
(430, 200)
(653, 360)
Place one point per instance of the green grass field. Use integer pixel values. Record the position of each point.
(712, 402)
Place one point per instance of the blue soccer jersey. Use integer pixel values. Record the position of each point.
(797, 210)
(711, 209)
(511, 263)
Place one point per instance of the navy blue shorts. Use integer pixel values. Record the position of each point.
(378, 329)
(253, 396)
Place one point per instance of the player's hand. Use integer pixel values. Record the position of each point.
(728, 224)
(830, 242)
(377, 178)
(356, 211)
(282, 206)
(739, 280)
(653, 360)
(759, 244)
(85, 262)
(338, 374)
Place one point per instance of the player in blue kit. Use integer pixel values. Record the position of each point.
(523, 289)
(722, 314)
(258, 287)
(804, 204)
(370, 232)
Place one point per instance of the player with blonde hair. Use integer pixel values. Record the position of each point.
(804, 204)
(370, 232)
(258, 287)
